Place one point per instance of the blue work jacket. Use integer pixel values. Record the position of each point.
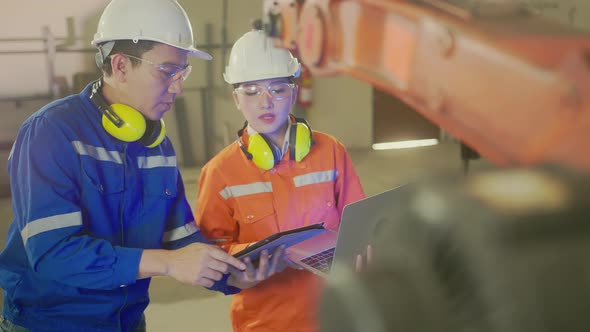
(85, 206)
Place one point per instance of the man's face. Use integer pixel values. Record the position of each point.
(266, 104)
(149, 88)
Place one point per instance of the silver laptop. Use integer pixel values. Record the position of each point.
(359, 223)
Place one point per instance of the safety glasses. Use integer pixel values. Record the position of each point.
(170, 73)
(278, 91)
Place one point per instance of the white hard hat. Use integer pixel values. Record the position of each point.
(253, 57)
(162, 21)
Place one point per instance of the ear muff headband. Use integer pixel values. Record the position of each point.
(261, 152)
(154, 134)
(300, 140)
(126, 123)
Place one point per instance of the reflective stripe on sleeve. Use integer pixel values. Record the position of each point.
(50, 224)
(98, 153)
(246, 189)
(180, 232)
(156, 161)
(316, 177)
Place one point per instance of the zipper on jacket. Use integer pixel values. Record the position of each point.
(122, 206)
(121, 224)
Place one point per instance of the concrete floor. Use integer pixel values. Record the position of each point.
(176, 307)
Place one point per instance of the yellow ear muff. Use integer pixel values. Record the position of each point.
(160, 136)
(302, 141)
(260, 148)
(262, 153)
(126, 123)
(133, 126)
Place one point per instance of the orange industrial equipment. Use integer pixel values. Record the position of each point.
(514, 86)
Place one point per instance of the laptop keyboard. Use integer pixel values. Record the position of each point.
(321, 261)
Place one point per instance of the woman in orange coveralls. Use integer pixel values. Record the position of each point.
(277, 176)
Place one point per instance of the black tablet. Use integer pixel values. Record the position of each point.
(288, 238)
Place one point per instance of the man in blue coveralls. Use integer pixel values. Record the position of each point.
(98, 200)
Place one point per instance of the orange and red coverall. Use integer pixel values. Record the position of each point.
(238, 204)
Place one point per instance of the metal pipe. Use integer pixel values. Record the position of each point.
(205, 119)
(208, 122)
(18, 99)
(80, 50)
(183, 124)
(201, 89)
(70, 39)
(223, 34)
(50, 49)
(39, 39)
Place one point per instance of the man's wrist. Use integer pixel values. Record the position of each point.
(154, 262)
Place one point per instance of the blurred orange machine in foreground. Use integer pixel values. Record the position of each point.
(513, 86)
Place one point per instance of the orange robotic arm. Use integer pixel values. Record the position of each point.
(513, 86)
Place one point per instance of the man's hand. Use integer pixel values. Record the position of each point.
(196, 264)
(268, 265)
(201, 264)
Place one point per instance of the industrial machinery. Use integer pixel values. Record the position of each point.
(512, 85)
(505, 251)
(497, 251)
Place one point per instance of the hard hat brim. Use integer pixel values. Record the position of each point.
(199, 54)
(192, 51)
